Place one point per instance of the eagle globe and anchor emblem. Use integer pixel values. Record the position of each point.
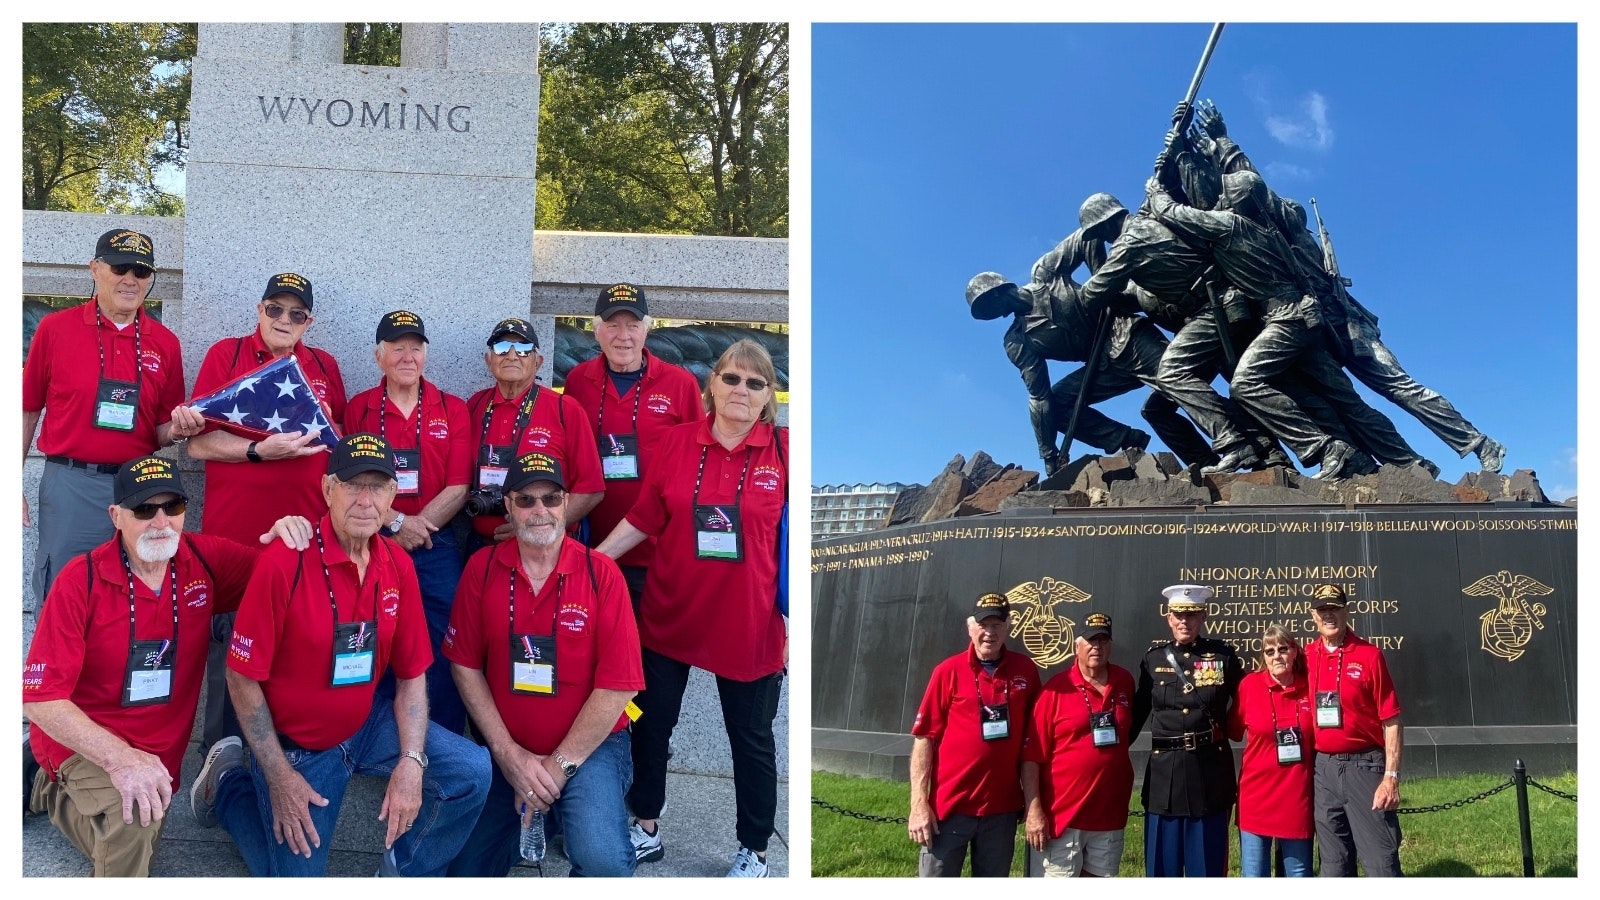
(1036, 619)
(1507, 628)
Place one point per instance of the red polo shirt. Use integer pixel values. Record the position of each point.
(1083, 786)
(243, 499)
(557, 427)
(1274, 800)
(63, 375)
(446, 438)
(665, 396)
(283, 636)
(596, 643)
(719, 615)
(972, 776)
(80, 648)
(1366, 695)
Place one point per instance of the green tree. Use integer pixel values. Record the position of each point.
(372, 43)
(104, 107)
(674, 128)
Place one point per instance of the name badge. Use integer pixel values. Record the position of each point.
(1328, 713)
(533, 664)
(408, 472)
(1103, 727)
(116, 402)
(491, 468)
(353, 652)
(619, 456)
(148, 680)
(1289, 750)
(717, 534)
(994, 720)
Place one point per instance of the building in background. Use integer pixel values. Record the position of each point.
(849, 508)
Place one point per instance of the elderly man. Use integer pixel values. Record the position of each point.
(516, 416)
(315, 631)
(547, 683)
(632, 398)
(112, 378)
(965, 780)
(1356, 788)
(432, 442)
(112, 694)
(1076, 774)
(251, 482)
(1186, 689)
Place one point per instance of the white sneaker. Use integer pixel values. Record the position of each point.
(646, 847)
(746, 864)
(225, 756)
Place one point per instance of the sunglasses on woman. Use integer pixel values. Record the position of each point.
(139, 272)
(501, 348)
(1277, 651)
(754, 384)
(146, 511)
(296, 316)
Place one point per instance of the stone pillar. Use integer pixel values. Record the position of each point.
(389, 188)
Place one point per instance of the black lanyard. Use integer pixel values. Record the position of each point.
(1272, 705)
(638, 388)
(172, 573)
(327, 581)
(1083, 688)
(1005, 685)
(738, 491)
(511, 600)
(524, 414)
(138, 357)
(1316, 679)
(383, 409)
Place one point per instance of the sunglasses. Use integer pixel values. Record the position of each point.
(1277, 651)
(754, 384)
(139, 272)
(146, 511)
(296, 316)
(529, 501)
(501, 348)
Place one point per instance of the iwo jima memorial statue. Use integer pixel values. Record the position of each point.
(1470, 589)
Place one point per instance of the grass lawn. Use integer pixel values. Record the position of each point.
(1480, 838)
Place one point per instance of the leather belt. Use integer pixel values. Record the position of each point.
(1359, 754)
(69, 462)
(1189, 740)
(287, 742)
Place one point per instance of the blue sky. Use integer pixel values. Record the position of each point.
(1444, 158)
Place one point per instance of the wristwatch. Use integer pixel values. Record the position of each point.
(1392, 774)
(568, 769)
(251, 454)
(399, 519)
(419, 756)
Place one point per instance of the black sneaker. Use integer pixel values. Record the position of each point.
(646, 847)
(225, 756)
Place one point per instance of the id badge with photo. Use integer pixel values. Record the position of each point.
(1103, 727)
(115, 404)
(408, 472)
(354, 651)
(619, 456)
(717, 534)
(1289, 747)
(493, 462)
(1328, 713)
(148, 679)
(995, 721)
(533, 664)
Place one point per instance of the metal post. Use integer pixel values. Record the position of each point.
(1520, 776)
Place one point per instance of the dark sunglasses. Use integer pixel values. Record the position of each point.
(529, 501)
(501, 348)
(1276, 651)
(139, 272)
(145, 511)
(296, 316)
(754, 384)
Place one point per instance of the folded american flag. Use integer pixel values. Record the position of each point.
(274, 399)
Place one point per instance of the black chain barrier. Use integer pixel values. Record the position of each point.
(1457, 803)
(1550, 790)
(892, 820)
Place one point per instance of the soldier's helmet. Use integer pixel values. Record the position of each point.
(1099, 209)
(1245, 193)
(986, 295)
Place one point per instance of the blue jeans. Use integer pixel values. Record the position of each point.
(438, 571)
(591, 813)
(453, 789)
(1255, 856)
(1192, 846)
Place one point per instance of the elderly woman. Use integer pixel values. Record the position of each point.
(712, 499)
(1274, 718)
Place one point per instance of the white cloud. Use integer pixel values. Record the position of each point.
(1309, 129)
(1280, 172)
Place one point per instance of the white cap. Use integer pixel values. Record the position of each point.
(1186, 597)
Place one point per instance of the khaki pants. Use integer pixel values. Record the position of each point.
(88, 810)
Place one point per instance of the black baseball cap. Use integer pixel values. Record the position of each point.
(361, 452)
(400, 322)
(532, 467)
(1094, 625)
(289, 283)
(991, 605)
(121, 247)
(1328, 595)
(521, 329)
(140, 479)
(621, 298)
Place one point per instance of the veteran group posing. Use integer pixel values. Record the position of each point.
(993, 748)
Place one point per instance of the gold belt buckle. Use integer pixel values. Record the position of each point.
(1189, 740)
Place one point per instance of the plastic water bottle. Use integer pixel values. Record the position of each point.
(533, 839)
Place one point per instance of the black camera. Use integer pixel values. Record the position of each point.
(486, 501)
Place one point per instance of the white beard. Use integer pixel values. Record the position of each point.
(157, 546)
(527, 534)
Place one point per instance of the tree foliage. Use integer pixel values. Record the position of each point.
(104, 107)
(372, 43)
(671, 128)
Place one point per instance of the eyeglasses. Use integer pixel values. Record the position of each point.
(1277, 651)
(529, 501)
(139, 272)
(296, 316)
(732, 380)
(376, 488)
(501, 348)
(146, 511)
